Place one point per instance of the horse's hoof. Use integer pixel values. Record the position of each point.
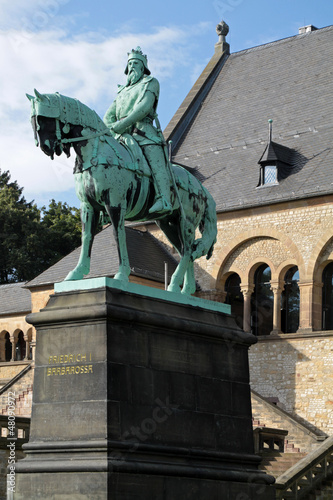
(174, 288)
(189, 290)
(121, 277)
(74, 275)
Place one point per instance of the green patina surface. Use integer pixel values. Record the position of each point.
(146, 291)
(123, 171)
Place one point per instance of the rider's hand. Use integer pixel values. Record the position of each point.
(119, 127)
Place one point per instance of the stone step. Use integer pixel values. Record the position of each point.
(22, 402)
(265, 414)
(22, 389)
(276, 463)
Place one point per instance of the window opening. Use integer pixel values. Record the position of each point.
(8, 348)
(290, 301)
(262, 302)
(270, 174)
(327, 302)
(20, 347)
(235, 297)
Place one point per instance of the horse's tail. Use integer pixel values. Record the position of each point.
(208, 229)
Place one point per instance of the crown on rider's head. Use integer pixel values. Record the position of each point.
(138, 54)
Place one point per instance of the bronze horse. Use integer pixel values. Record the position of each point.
(111, 179)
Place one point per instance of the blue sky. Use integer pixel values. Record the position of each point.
(79, 47)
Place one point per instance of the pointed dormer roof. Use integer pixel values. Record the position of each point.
(275, 152)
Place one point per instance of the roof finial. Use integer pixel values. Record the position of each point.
(222, 29)
(270, 121)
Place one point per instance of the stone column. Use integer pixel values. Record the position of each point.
(317, 308)
(13, 342)
(33, 351)
(247, 291)
(27, 347)
(306, 307)
(277, 290)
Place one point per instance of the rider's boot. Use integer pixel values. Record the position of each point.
(162, 179)
(162, 188)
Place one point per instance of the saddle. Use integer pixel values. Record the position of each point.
(139, 163)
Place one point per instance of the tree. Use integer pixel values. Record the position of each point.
(61, 228)
(32, 239)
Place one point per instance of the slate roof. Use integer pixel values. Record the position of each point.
(289, 81)
(14, 299)
(146, 255)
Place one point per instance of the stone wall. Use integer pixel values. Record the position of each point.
(298, 233)
(271, 416)
(297, 369)
(10, 370)
(40, 297)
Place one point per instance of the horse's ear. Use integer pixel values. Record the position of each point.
(39, 96)
(30, 97)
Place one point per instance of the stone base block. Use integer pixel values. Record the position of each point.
(139, 398)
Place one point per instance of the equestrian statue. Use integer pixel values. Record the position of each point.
(123, 170)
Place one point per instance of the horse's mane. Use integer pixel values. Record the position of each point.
(76, 113)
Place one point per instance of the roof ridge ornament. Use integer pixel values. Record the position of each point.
(270, 130)
(222, 29)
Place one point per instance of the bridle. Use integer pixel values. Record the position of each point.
(62, 125)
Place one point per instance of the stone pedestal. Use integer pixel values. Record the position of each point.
(139, 398)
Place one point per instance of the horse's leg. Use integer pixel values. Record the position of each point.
(178, 276)
(189, 282)
(117, 216)
(187, 231)
(89, 218)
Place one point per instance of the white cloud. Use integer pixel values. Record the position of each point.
(87, 66)
(77, 67)
(32, 15)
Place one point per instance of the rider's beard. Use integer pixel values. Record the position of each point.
(134, 76)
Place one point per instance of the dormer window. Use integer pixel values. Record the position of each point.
(270, 174)
(275, 162)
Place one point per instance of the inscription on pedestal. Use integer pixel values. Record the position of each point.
(66, 359)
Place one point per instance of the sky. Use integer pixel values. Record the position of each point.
(79, 48)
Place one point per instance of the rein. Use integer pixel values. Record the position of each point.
(86, 137)
(75, 139)
(95, 135)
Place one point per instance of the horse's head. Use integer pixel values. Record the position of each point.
(44, 114)
(60, 122)
(49, 119)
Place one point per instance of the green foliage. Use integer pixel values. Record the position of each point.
(61, 226)
(32, 239)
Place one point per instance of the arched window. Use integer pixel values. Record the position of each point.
(327, 308)
(262, 302)
(20, 347)
(290, 301)
(235, 297)
(8, 348)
